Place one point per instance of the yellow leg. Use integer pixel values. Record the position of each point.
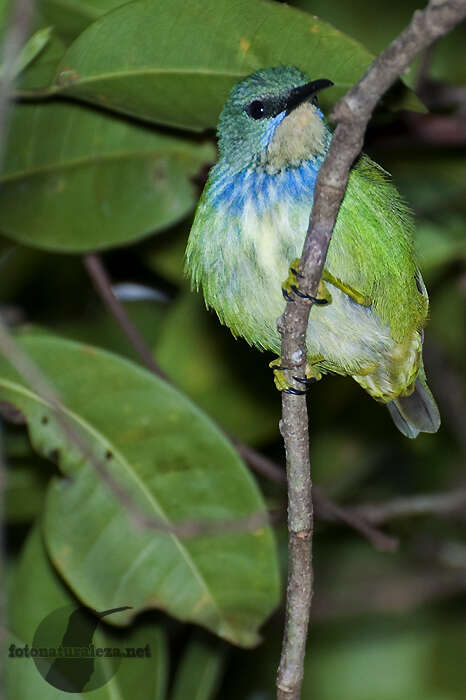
(347, 289)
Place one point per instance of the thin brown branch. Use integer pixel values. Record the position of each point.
(326, 509)
(425, 67)
(446, 503)
(352, 114)
(420, 130)
(103, 286)
(260, 463)
(402, 593)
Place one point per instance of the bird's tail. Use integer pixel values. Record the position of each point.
(416, 413)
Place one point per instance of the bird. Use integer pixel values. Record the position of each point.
(249, 228)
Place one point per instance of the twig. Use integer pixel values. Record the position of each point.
(103, 285)
(326, 509)
(396, 594)
(260, 463)
(446, 503)
(440, 96)
(352, 114)
(424, 68)
(420, 130)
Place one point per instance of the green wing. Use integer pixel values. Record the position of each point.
(372, 253)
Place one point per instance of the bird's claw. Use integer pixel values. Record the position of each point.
(294, 392)
(290, 287)
(296, 272)
(286, 296)
(312, 375)
(306, 380)
(316, 300)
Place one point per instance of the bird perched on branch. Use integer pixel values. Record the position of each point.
(250, 226)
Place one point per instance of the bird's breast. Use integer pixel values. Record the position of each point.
(254, 226)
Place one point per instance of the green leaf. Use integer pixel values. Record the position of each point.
(377, 23)
(77, 179)
(177, 467)
(202, 357)
(38, 591)
(32, 48)
(71, 17)
(25, 490)
(146, 59)
(199, 671)
(100, 328)
(40, 72)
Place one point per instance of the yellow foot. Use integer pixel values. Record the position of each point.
(291, 286)
(312, 375)
(353, 293)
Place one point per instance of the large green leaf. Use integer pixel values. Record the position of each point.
(176, 466)
(26, 482)
(71, 17)
(78, 179)
(174, 63)
(37, 592)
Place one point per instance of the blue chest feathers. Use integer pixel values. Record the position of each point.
(250, 226)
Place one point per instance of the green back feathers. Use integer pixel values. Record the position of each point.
(372, 249)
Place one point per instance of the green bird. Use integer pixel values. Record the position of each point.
(250, 226)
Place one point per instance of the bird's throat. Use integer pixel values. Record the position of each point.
(302, 135)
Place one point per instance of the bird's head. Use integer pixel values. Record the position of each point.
(271, 119)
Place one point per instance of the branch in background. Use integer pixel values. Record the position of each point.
(420, 130)
(440, 96)
(425, 67)
(447, 503)
(326, 509)
(103, 286)
(396, 594)
(352, 114)
(260, 463)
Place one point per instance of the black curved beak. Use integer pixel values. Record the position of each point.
(300, 94)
